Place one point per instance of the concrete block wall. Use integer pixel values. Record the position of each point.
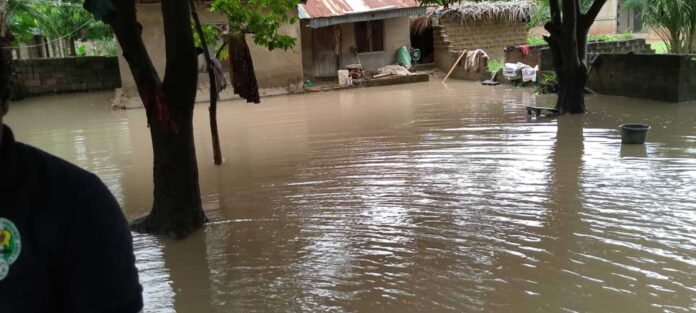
(42, 76)
(541, 55)
(658, 77)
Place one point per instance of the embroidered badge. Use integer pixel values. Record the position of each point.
(10, 246)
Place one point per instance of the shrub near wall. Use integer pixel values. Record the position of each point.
(42, 76)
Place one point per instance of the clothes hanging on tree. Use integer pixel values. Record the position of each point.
(220, 81)
(243, 75)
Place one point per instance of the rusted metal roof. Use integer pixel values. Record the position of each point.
(328, 12)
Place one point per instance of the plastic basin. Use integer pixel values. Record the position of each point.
(634, 133)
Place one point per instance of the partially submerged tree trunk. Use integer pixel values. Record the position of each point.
(177, 209)
(212, 110)
(568, 31)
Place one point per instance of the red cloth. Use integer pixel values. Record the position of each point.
(525, 50)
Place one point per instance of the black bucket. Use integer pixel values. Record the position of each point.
(634, 133)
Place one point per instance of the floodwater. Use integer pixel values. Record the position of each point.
(411, 198)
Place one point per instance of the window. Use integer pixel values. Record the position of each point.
(369, 36)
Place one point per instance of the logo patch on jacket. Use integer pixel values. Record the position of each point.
(10, 246)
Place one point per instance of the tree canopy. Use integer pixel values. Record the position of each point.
(673, 20)
(261, 18)
(53, 19)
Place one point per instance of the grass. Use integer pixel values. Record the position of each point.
(535, 41)
(609, 38)
(495, 65)
(660, 47)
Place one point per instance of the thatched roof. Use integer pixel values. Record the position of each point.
(478, 12)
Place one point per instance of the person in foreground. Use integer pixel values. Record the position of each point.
(65, 245)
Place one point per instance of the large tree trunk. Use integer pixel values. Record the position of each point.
(177, 209)
(568, 31)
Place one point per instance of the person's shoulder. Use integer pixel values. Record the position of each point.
(52, 169)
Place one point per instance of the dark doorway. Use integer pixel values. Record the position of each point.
(424, 41)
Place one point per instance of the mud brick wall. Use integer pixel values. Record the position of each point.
(451, 37)
(42, 76)
(491, 37)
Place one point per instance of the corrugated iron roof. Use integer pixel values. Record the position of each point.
(331, 8)
(322, 13)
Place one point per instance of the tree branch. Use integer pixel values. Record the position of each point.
(127, 31)
(555, 13)
(591, 15)
(181, 74)
(570, 17)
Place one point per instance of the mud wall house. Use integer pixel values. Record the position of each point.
(277, 72)
(470, 26)
(337, 33)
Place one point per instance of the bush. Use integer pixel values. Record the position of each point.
(495, 65)
(536, 41)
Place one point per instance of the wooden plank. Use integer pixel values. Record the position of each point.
(455, 65)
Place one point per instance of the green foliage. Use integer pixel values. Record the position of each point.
(495, 65)
(211, 33)
(22, 25)
(660, 47)
(673, 20)
(543, 12)
(81, 50)
(548, 83)
(442, 3)
(261, 18)
(536, 41)
(54, 19)
(610, 38)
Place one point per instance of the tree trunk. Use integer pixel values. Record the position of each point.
(571, 91)
(568, 31)
(177, 209)
(73, 51)
(212, 110)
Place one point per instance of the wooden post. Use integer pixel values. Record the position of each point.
(212, 110)
(454, 65)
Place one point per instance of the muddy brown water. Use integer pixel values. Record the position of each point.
(412, 198)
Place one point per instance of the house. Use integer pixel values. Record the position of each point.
(490, 26)
(277, 71)
(329, 33)
(337, 33)
(614, 19)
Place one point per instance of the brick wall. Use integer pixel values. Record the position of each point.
(491, 37)
(450, 38)
(41, 76)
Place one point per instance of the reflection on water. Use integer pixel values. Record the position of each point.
(413, 198)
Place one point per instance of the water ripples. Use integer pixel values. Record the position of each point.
(416, 198)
